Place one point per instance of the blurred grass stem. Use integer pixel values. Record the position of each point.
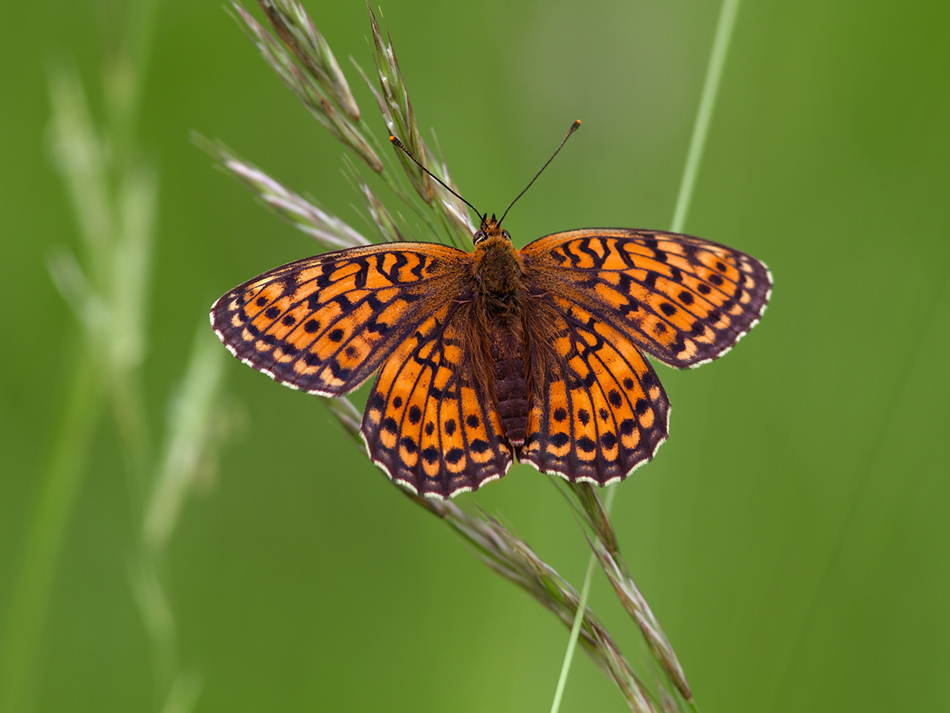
(572, 639)
(32, 580)
(114, 194)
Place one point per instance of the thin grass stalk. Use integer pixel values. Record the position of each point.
(297, 32)
(636, 606)
(325, 228)
(512, 558)
(305, 63)
(603, 542)
(377, 211)
(398, 115)
(707, 102)
(302, 58)
(499, 549)
(396, 109)
(623, 585)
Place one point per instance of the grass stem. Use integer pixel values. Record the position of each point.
(717, 60)
(572, 640)
(33, 581)
(707, 102)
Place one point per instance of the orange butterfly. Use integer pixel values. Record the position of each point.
(483, 357)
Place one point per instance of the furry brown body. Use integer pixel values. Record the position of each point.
(499, 291)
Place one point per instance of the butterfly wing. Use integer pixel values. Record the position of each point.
(598, 297)
(598, 410)
(430, 423)
(682, 299)
(327, 323)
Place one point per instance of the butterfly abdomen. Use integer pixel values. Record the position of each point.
(511, 389)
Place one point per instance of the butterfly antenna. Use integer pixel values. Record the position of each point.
(574, 127)
(402, 147)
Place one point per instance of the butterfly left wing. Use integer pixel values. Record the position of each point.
(598, 410)
(325, 324)
(682, 299)
(429, 422)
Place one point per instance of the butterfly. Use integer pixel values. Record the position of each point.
(500, 354)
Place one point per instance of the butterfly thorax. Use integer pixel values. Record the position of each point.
(499, 276)
(498, 271)
(499, 290)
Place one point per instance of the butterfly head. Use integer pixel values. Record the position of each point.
(491, 228)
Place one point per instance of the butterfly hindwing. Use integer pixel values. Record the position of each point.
(682, 299)
(598, 410)
(428, 421)
(325, 324)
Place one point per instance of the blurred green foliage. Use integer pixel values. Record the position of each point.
(791, 536)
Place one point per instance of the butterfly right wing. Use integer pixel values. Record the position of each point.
(599, 296)
(682, 299)
(598, 410)
(325, 324)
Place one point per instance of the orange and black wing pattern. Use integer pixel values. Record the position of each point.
(326, 324)
(598, 410)
(684, 300)
(601, 296)
(430, 421)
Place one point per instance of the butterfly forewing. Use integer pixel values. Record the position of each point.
(325, 324)
(682, 299)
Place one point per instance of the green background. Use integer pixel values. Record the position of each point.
(791, 536)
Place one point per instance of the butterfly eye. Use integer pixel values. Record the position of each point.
(478, 237)
(506, 235)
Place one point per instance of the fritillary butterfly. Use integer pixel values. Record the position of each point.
(500, 354)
